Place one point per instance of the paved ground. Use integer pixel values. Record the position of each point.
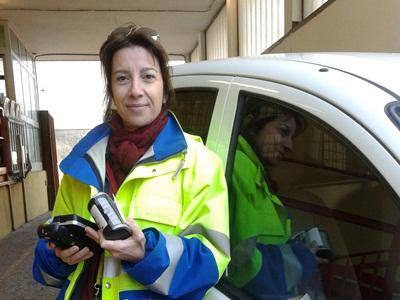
(16, 255)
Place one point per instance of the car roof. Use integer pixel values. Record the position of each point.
(381, 69)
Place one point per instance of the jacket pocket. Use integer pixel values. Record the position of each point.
(157, 209)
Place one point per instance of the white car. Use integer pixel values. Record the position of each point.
(343, 173)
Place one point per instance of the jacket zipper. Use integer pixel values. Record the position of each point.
(180, 166)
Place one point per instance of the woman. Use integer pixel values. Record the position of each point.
(263, 264)
(169, 186)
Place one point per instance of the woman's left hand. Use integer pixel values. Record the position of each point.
(131, 249)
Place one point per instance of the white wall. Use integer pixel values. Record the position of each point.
(195, 55)
(261, 23)
(217, 37)
(309, 6)
(344, 25)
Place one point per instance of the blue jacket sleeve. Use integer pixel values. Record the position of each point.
(283, 267)
(47, 268)
(168, 263)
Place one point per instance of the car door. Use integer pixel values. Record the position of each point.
(338, 177)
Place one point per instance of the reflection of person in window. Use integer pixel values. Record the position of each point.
(263, 263)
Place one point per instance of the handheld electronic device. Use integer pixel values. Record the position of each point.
(68, 230)
(108, 217)
(317, 235)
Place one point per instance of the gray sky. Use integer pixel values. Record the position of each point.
(72, 92)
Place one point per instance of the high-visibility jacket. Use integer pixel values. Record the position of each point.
(176, 193)
(262, 262)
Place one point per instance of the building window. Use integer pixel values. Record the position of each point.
(25, 85)
(2, 103)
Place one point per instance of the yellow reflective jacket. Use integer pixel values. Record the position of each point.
(176, 193)
(263, 263)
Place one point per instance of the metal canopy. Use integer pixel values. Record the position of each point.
(78, 28)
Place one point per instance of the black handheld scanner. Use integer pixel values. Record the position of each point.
(108, 217)
(68, 230)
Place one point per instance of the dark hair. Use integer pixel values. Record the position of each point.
(258, 115)
(128, 36)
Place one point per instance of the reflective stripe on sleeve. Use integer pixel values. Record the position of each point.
(291, 266)
(50, 280)
(243, 252)
(218, 239)
(174, 247)
(112, 267)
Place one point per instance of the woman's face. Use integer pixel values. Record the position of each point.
(137, 86)
(275, 139)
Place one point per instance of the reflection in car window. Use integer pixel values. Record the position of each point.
(193, 108)
(297, 186)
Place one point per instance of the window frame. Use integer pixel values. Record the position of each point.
(222, 83)
(321, 109)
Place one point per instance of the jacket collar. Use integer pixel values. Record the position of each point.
(245, 147)
(86, 161)
(170, 141)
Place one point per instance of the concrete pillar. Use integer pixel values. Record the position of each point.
(297, 11)
(186, 57)
(202, 45)
(232, 23)
(289, 5)
(7, 62)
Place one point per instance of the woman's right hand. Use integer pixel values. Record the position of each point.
(131, 249)
(72, 255)
(313, 247)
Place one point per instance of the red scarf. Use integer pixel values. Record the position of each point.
(126, 147)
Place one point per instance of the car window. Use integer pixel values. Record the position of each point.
(193, 108)
(297, 184)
